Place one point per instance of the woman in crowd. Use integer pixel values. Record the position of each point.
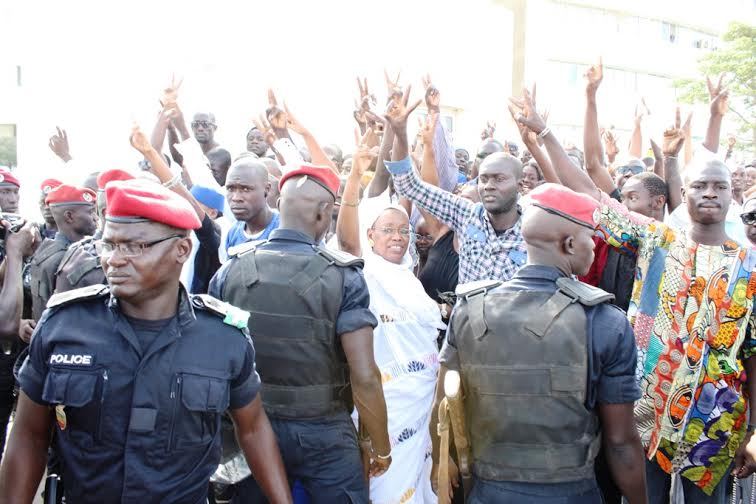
(405, 339)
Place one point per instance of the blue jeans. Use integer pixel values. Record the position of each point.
(322, 454)
(658, 484)
(506, 492)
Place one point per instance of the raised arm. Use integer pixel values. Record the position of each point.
(348, 222)
(674, 138)
(533, 144)
(317, 154)
(161, 171)
(718, 108)
(428, 171)
(636, 138)
(594, 156)
(570, 175)
(443, 150)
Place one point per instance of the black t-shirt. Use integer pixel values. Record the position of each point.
(147, 331)
(441, 270)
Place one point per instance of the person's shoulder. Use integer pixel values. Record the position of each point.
(340, 258)
(220, 313)
(61, 300)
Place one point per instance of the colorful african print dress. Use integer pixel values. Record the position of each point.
(691, 310)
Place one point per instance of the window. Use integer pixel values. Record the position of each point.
(669, 32)
(8, 145)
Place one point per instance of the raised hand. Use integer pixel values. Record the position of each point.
(139, 140)
(640, 112)
(399, 110)
(59, 144)
(427, 129)
(718, 95)
(593, 76)
(432, 96)
(275, 114)
(489, 130)
(262, 124)
(392, 85)
(170, 93)
(610, 144)
(524, 111)
(293, 123)
(364, 154)
(674, 136)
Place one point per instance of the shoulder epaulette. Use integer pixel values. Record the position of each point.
(242, 248)
(477, 287)
(89, 292)
(232, 315)
(340, 258)
(587, 295)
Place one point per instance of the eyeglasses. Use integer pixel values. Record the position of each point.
(127, 249)
(749, 219)
(634, 169)
(204, 124)
(391, 231)
(423, 237)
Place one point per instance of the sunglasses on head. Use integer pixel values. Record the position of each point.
(749, 219)
(634, 169)
(204, 124)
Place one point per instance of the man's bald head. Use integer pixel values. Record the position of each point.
(248, 167)
(306, 206)
(553, 240)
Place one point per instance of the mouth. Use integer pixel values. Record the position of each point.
(489, 199)
(117, 279)
(709, 205)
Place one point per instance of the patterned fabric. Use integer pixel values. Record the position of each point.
(691, 310)
(484, 254)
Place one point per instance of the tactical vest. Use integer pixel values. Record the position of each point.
(42, 269)
(524, 366)
(80, 267)
(294, 300)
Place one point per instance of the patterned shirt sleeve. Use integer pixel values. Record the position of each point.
(748, 348)
(446, 163)
(445, 206)
(620, 227)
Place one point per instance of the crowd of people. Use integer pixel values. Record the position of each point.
(279, 323)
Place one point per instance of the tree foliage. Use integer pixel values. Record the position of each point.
(8, 151)
(736, 58)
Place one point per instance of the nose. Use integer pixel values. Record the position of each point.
(115, 259)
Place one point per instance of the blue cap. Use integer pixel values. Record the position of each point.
(208, 197)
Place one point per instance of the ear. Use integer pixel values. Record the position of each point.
(659, 202)
(267, 188)
(183, 250)
(370, 234)
(568, 245)
(68, 215)
(682, 192)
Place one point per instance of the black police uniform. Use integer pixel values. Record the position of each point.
(80, 266)
(138, 424)
(302, 299)
(42, 270)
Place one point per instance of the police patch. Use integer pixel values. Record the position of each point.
(72, 359)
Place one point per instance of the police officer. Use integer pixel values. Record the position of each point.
(48, 228)
(137, 375)
(17, 245)
(73, 209)
(80, 265)
(311, 324)
(548, 369)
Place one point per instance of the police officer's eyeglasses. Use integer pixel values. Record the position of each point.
(127, 249)
(391, 231)
(749, 219)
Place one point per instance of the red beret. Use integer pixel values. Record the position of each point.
(66, 194)
(48, 185)
(140, 200)
(6, 178)
(321, 175)
(111, 175)
(559, 200)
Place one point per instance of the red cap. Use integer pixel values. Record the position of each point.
(559, 200)
(111, 175)
(140, 200)
(48, 185)
(321, 175)
(70, 195)
(6, 178)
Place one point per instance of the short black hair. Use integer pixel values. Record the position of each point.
(654, 184)
(221, 156)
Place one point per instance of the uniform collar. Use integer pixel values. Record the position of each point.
(292, 235)
(62, 238)
(185, 311)
(540, 272)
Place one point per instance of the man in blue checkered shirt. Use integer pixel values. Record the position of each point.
(491, 244)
